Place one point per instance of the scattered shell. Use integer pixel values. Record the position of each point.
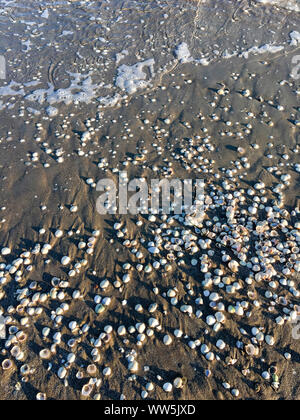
(167, 387)
(7, 364)
(86, 390)
(65, 260)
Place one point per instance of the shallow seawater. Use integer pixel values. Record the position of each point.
(160, 89)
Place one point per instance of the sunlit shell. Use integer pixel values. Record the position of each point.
(167, 387)
(251, 350)
(7, 364)
(86, 390)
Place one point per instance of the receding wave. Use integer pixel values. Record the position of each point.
(286, 4)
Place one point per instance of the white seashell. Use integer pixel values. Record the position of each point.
(106, 301)
(270, 340)
(167, 387)
(192, 344)
(85, 136)
(5, 251)
(287, 356)
(260, 337)
(210, 320)
(73, 325)
(140, 327)
(221, 345)
(251, 350)
(235, 392)
(76, 294)
(87, 390)
(266, 376)
(41, 397)
(186, 309)
(107, 371)
(178, 333)
(141, 338)
(126, 278)
(167, 340)
(220, 317)
(15, 351)
(153, 323)
(210, 356)
(153, 307)
(122, 330)
(62, 372)
(204, 349)
(149, 386)
(171, 293)
(217, 327)
(178, 383)
(144, 394)
(104, 284)
(279, 320)
(214, 297)
(46, 331)
(234, 266)
(65, 260)
(133, 366)
(71, 358)
(153, 250)
(45, 354)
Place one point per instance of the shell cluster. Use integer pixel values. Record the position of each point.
(152, 305)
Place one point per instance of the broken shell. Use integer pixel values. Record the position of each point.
(251, 350)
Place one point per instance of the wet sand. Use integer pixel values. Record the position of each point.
(37, 190)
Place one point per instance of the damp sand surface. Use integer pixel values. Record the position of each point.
(174, 89)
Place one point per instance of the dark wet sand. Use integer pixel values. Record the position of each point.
(26, 186)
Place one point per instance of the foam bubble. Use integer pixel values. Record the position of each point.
(183, 54)
(132, 78)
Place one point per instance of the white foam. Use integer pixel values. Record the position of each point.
(81, 90)
(264, 49)
(295, 38)
(203, 61)
(286, 4)
(227, 55)
(132, 78)
(33, 83)
(52, 111)
(183, 54)
(110, 101)
(9, 91)
(28, 23)
(33, 111)
(66, 33)
(120, 56)
(37, 96)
